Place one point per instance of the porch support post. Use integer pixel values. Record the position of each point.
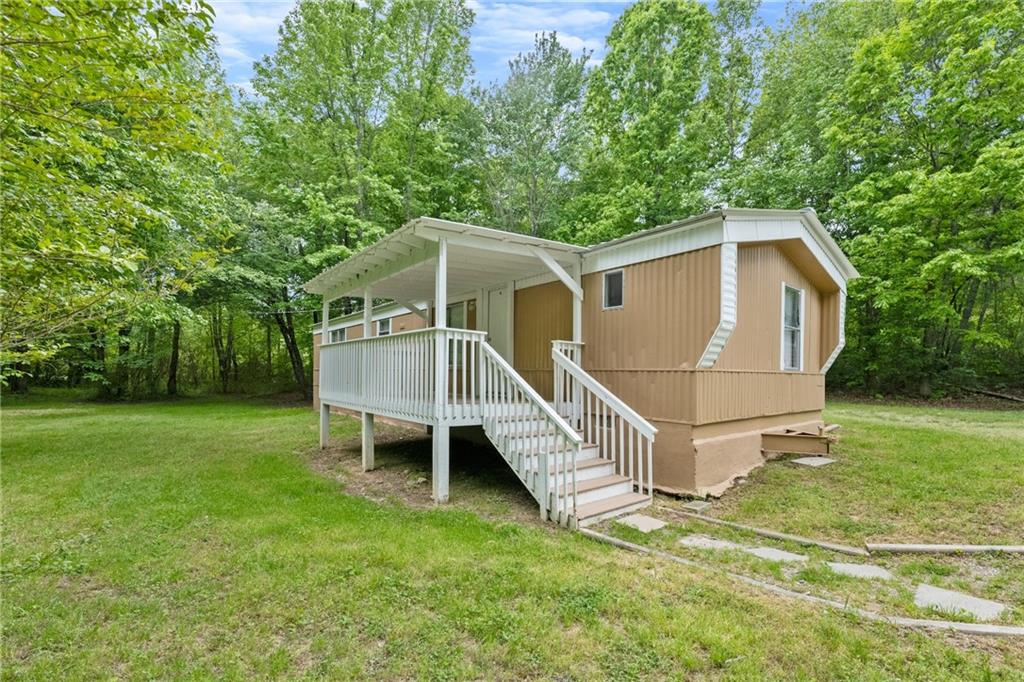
(325, 409)
(368, 459)
(439, 469)
(577, 304)
(325, 424)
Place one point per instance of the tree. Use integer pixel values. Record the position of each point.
(926, 127)
(106, 156)
(533, 134)
(642, 102)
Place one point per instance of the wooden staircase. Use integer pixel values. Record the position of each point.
(601, 493)
(579, 475)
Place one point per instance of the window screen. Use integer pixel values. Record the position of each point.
(613, 289)
(792, 330)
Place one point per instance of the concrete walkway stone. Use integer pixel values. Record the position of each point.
(812, 461)
(948, 600)
(698, 541)
(642, 522)
(698, 506)
(867, 571)
(772, 554)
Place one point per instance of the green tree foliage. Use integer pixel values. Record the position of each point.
(533, 135)
(644, 106)
(152, 226)
(107, 164)
(902, 124)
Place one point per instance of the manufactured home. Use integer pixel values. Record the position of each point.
(674, 358)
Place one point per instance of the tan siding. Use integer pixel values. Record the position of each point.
(670, 309)
(829, 326)
(755, 344)
(708, 396)
(727, 395)
(406, 323)
(543, 314)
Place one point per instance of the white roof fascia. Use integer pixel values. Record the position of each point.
(689, 235)
(753, 229)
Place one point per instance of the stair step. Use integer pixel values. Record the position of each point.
(585, 464)
(612, 506)
(594, 483)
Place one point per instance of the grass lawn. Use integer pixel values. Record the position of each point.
(206, 539)
(902, 474)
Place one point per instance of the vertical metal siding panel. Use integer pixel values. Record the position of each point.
(670, 309)
(755, 343)
(543, 314)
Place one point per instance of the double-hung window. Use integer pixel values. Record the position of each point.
(383, 327)
(792, 329)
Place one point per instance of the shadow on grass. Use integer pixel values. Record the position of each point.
(479, 479)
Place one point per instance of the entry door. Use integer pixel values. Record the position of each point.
(499, 321)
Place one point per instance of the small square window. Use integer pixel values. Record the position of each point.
(613, 289)
(383, 327)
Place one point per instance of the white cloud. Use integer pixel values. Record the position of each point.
(505, 29)
(251, 21)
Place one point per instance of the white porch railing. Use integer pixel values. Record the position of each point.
(536, 442)
(396, 375)
(621, 434)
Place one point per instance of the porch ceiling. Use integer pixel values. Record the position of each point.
(401, 266)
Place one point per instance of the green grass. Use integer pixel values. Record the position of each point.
(194, 539)
(905, 474)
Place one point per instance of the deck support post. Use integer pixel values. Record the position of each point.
(325, 424)
(439, 469)
(368, 463)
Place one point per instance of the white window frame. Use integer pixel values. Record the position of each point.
(604, 290)
(782, 330)
(380, 327)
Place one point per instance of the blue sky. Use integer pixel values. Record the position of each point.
(247, 29)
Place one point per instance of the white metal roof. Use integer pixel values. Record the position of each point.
(401, 265)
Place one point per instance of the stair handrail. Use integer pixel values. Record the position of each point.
(613, 444)
(589, 382)
(567, 469)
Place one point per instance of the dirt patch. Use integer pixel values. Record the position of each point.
(479, 480)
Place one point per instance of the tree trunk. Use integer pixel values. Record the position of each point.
(286, 325)
(172, 369)
(270, 353)
(223, 352)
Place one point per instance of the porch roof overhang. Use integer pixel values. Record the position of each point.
(401, 266)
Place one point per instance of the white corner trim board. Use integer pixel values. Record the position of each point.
(727, 311)
(842, 334)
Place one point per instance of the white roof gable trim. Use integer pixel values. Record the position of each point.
(722, 227)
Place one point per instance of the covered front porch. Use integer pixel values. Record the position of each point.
(442, 376)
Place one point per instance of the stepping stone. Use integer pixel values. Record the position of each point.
(868, 571)
(642, 522)
(705, 542)
(812, 461)
(772, 554)
(948, 600)
(697, 506)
